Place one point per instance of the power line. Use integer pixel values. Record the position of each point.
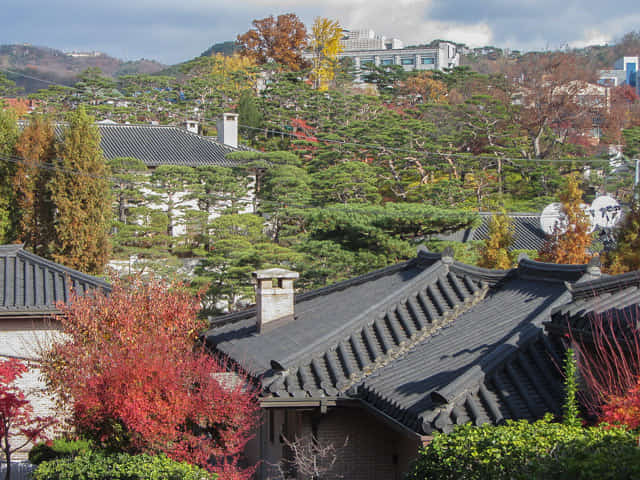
(33, 78)
(383, 147)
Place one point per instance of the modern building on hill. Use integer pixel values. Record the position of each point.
(373, 366)
(365, 47)
(626, 71)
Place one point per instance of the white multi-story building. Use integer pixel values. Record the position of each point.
(365, 47)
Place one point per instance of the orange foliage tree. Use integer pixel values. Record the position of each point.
(136, 381)
(423, 88)
(570, 241)
(280, 40)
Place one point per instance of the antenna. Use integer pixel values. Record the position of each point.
(607, 211)
(551, 217)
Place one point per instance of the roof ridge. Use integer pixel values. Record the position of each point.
(593, 288)
(545, 271)
(10, 249)
(233, 317)
(392, 298)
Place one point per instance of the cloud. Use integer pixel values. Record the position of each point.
(176, 31)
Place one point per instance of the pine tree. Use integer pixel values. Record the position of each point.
(570, 241)
(37, 148)
(80, 192)
(496, 251)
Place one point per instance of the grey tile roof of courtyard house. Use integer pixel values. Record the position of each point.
(164, 145)
(32, 285)
(527, 234)
(609, 297)
(159, 145)
(428, 342)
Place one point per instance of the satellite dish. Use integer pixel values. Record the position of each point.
(553, 216)
(607, 211)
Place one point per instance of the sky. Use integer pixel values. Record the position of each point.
(174, 31)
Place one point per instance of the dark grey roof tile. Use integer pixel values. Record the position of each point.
(30, 284)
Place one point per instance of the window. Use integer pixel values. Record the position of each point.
(387, 61)
(408, 61)
(366, 61)
(428, 60)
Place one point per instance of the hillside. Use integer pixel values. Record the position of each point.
(59, 67)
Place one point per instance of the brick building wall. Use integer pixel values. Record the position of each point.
(373, 450)
(366, 448)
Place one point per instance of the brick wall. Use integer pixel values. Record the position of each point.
(373, 450)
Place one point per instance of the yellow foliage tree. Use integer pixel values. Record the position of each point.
(495, 253)
(570, 242)
(325, 43)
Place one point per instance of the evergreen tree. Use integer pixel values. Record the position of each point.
(8, 139)
(80, 192)
(249, 117)
(169, 182)
(495, 253)
(37, 149)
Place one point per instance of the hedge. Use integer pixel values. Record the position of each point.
(523, 450)
(59, 448)
(121, 466)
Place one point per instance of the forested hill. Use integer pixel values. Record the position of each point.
(56, 66)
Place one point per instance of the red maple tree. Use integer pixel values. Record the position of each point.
(18, 425)
(608, 348)
(137, 381)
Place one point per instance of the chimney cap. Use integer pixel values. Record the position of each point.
(274, 273)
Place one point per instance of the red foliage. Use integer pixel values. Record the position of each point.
(609, 363)
(137, 382)
(18, 425)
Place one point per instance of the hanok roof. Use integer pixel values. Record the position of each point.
(429, 342)
(527, 234)
(32, 285)
(159, 145)
(616, 297)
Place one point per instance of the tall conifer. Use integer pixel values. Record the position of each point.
(80, 191)
(36, 147)
(8, 137)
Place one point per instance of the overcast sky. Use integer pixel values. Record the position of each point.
(173, 31)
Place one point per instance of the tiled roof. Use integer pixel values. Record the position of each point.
(429, 342)
(159, 145)
(616, 297)
(527, 234)
(31, 285)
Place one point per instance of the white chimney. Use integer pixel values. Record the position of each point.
(274, 297)
(227, 127)
(191, 126)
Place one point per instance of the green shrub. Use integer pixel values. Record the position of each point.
(59, 448)
(523, 450)
(121, 466)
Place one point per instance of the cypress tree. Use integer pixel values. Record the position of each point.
(8, 138)
(80, 192)
(37, 148)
